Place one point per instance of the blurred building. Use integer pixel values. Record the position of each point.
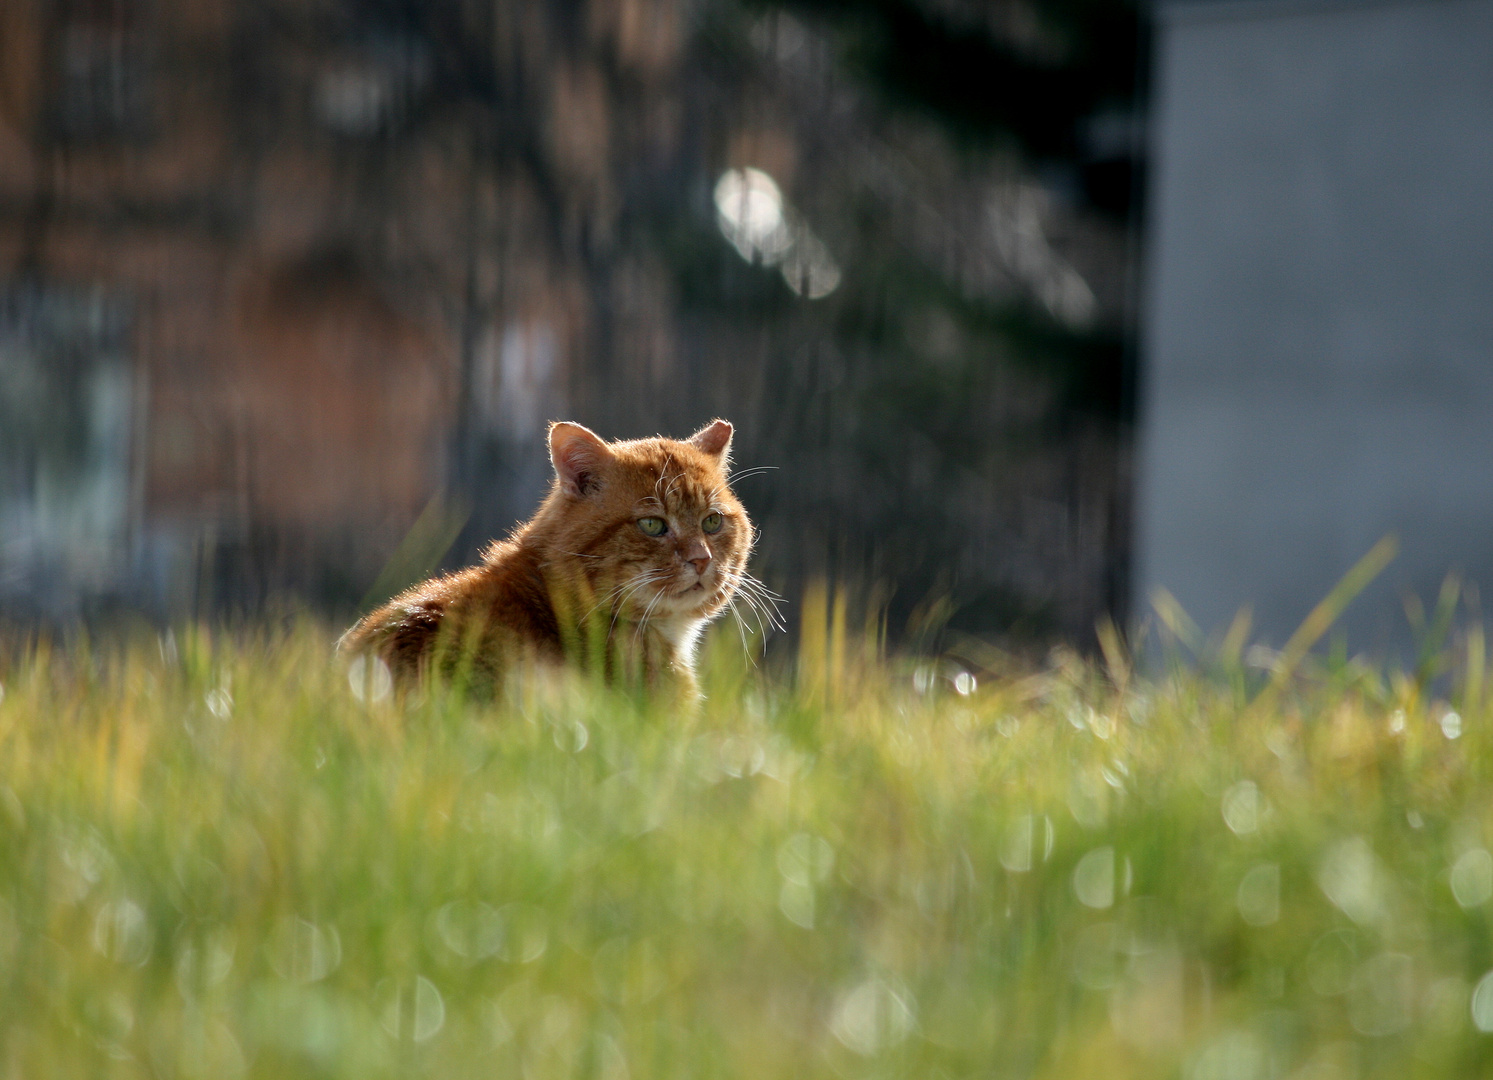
(280, 281)
(1318, 330)
(228, 310)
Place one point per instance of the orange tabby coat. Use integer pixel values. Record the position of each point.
(638, 545)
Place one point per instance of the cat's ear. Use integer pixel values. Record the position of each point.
(578, 454)
(714, 439)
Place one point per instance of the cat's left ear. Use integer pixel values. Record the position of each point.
(714, 439)
(578, 454)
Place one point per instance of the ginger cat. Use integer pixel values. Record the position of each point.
(638, 545)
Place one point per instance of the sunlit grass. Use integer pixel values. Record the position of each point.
(218, 860)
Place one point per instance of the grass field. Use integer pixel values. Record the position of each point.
(220, 858)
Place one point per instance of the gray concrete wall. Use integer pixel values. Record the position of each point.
(1318, 328)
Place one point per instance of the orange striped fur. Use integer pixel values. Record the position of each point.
(584, 581)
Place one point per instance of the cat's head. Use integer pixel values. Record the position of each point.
(652, 524)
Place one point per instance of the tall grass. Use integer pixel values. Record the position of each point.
(220, 857)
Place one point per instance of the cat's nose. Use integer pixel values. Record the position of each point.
(698, 555)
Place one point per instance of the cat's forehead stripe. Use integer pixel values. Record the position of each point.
(675, 487)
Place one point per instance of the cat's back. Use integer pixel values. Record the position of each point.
(496, 608)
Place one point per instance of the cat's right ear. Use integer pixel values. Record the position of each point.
(714, 439)
(578, 454)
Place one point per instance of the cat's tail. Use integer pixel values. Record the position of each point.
(363, 636)
(400, 634)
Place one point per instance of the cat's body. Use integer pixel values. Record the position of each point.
(636, 548)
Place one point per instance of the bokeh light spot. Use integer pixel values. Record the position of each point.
(796, 902)
(303, 951)
(750, 208)
(1241, 807)
(805, 859)
(121, 932)
(1350, 877)
(526, 935)
(1482, 1004)
(872, 1016)
(1094, 878)
(369, 678)
(470, 929)
(1258, 897)
(1330, 962)
(1472, 878)
(1380, 996)
(412, 1009)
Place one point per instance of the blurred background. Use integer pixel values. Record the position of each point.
(1318, 314)
(289, 290)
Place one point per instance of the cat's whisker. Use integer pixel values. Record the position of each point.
(607, 598)
(735, 610)
(618, 611)
(762, 630)
(741, 627)
(758, 596)
(618, 593)
(758, 589)
(766, 614)
(755, 471)
(647, 612)
(619, 601)
(766, 617)
(618, 596)
(755, 608)
(749, 582)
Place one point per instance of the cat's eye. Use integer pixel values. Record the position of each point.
(712, 522)
(653, 526)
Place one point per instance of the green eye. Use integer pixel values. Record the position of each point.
(712, 522)
(653, 526)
